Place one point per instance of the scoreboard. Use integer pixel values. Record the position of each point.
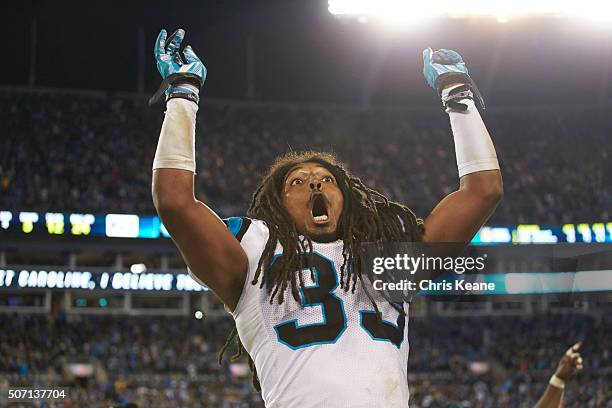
(541, 234)
(82, 224)
(150, 227)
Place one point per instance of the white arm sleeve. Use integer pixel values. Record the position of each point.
(176, 145)
(473, 145)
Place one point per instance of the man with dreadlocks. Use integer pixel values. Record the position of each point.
(288, 272)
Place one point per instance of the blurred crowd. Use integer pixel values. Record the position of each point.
(156, 362)
(518, 391)
(487, 362)
(159, 362)
(93, 152)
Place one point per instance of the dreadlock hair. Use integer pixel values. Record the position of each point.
(367, 216)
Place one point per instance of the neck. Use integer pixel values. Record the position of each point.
(325, 238)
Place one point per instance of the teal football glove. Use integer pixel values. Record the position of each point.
(436, 66)
(174, 70)
(445, 67)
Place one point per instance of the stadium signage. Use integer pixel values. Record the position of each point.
(102, 280)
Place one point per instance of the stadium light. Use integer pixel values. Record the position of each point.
(138, 268)
(503, 10)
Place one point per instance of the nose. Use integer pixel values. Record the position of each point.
(315, 185)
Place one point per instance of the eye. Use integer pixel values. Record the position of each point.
(328, 179)
(296, 181)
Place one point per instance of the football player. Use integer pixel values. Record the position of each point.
(288, 271)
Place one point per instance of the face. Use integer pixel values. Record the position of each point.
(313, 199)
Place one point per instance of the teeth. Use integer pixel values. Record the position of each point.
(321, 218)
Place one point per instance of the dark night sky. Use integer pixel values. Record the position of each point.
(301, 52)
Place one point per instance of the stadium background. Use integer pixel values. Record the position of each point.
(75, 210)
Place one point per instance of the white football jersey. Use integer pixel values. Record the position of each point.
(332, 351)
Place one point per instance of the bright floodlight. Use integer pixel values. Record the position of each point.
(501, 9)
(138, 268)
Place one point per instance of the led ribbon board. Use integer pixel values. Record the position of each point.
(98, 280)
(151, 227)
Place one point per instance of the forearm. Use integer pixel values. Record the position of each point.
(477, 165)
(474, 148)
(552, 398)
(174, 163)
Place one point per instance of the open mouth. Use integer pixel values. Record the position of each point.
(319, 209)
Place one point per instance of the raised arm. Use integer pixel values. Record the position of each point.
(459, 215)
(570, 363)
(211, 252)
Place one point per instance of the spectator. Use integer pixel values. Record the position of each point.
(90, 152)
